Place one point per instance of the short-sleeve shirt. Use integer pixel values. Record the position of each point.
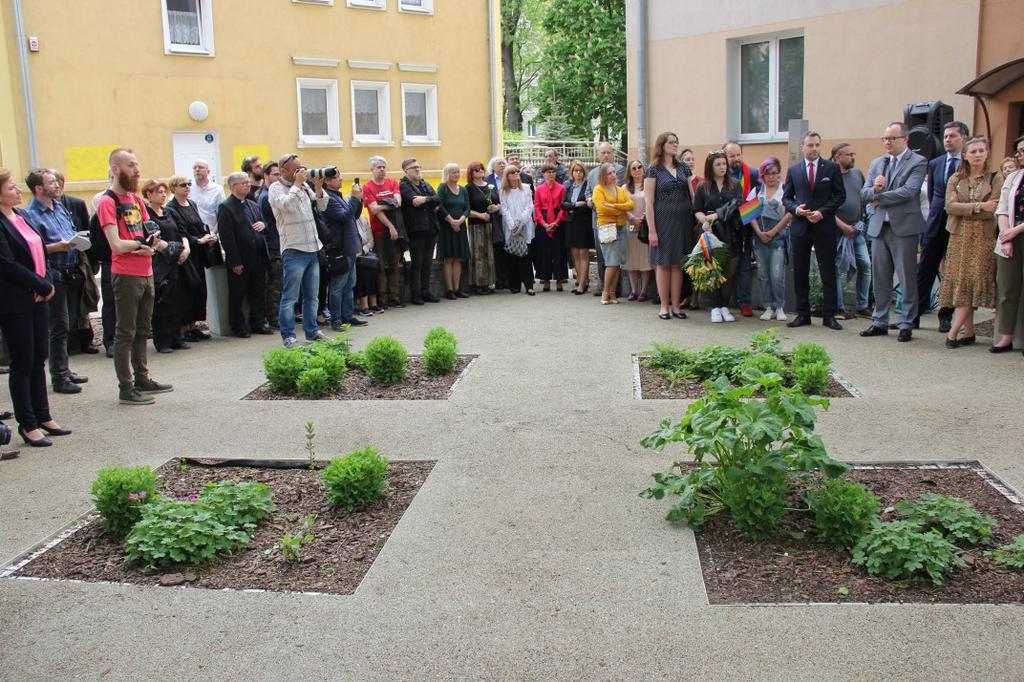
(373, 192)
(129, 226)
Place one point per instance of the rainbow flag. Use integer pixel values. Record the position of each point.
(706, 245)
(750, 210)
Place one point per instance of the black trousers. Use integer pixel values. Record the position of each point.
(63, 317)
(107, 313)
(928, 269)
(421, 249)
(520, 272)
(28, 338)
(823, 239)
(550, 254)
(250, 286)
(501, 266)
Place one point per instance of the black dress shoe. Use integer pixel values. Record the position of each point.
(90, 350)
(78, 378)
(832, 323)
(5, 415)
(417, 301)
(945, 325)
(180, 345)
(164, 349)
(1001, 349)
(967, 340)
(110, 351)
(450, 295)
(43, 442)
(356, 322)
(952, 343)
(905, 335)
(396, 304)
(242, 334)
(800, 321)
(875, 331)
(264, 330)
(430, 298)
(55, 432)
(66, 387)
(459, 294)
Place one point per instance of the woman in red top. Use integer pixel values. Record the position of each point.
(549, 254)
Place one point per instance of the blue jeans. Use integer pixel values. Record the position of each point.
(860, 253)
(771, 270)
(340, 295)
(300, 270)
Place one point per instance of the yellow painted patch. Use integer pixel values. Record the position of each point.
(240, 151)
(88, 162)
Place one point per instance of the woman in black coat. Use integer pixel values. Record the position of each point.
(24, 315)
(169, 282)
(186, 215)
(579, 230)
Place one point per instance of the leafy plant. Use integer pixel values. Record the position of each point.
(238, 504)
(332, 363)
(717, 361)
(386, 360)
(955, 518)
(310, 447)
(901, 550)
(438, 334)
(439, 357)
(809, 354)
(1011, 554)
(843, 511)
(282, 367)
(677, 364)
(314, 383)
(339, 344)
(763, 362)
(767, 341)
(756, 500)
(811, 377)
(356, 479)
(119, 494)
(177, 532)
(291, 543)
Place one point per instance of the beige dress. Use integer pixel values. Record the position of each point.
(969, 275)
(637, 253)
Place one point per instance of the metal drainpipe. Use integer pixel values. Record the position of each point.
(26, 85)
(641, 78)
(493, 65)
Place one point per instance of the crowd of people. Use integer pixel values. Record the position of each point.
(297, 252)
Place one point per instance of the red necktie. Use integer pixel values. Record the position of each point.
(810, 175)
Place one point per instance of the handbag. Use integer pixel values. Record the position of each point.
(644, 231)
(516, 245)
(606, 234)
(336, 261)
(369, 261)
(212, 255)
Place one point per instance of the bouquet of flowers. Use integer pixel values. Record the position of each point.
(707, 262)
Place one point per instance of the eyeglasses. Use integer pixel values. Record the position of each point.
(893, 139)
(184, 184)
(513, 172)
(671, 141)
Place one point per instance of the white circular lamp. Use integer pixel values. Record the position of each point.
(198, 111)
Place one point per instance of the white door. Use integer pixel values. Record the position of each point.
(190, 147)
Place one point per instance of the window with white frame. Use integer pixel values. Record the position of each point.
(318, 111)
(369, 4)
(419, 113)
(371, 112)
(768, 85)
(188, 26)
(417, 6)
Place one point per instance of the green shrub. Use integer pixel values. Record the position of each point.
(668, 357)
(843, 511)
(314, 383)
(356, 479)
(332, 363)
(438, 333)
(1011, 555)
(756, 501)
(809, 354)
(172, 532)
(339, 344)
(955, 518)
(900, 550)
(765, 363)
(767, 341)
(356, 360)
(811, 378)
(386, 360)
(282, 367)
(716, 361)
(439, 357)
(119, 494)
(239, 505)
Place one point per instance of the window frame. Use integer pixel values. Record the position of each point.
(205, 47)
(381, 5)
(384, 137)
(427, 8)
(333, 136)
(433, 137)
(735, 77)
(324, 3)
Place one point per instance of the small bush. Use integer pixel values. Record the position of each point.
(386, 360)
(809, 354)
(955, 518)
(811, 378)
(767, 341)
(172, 532)
(900, 550)
(356, 360)
(1011, 555)
(282, 367)
(438, 333)
(332, 363)
(314, 383)
(239, 505)
(356, 479)
(755, 502)
(119, 494)
(843, 512)
(439, 357)
(339, 344)
(765, 363)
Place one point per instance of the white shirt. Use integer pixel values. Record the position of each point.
(207, 200)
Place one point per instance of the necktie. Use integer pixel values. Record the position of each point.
(810, 175)
(892, 172)
(951, 167)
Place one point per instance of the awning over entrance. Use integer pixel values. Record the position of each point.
(994, 80)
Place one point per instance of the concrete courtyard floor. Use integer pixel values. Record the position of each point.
(527, 554)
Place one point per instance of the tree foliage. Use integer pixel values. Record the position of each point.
(522, 36)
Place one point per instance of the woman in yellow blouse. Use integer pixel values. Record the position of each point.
(611, 203)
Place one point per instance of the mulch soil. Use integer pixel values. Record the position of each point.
(418, 385)
(344, 546)
(653, 386)
(789, 570)
(986, 328)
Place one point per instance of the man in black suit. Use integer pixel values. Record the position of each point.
(245, 254)
(814, 191)
(80, 214)
(936, 239)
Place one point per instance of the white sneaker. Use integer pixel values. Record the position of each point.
(780, 315)
(727, 316)
(716, 314)
(769, 314)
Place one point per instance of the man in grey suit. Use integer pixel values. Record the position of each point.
(893, 187)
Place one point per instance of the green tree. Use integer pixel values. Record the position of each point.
(583, 73)
(521, 38)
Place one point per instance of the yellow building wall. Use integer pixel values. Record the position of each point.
(102, 79)
(12, 149)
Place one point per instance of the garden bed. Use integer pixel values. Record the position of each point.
(794, 568)
(419, 385)
(343, 547)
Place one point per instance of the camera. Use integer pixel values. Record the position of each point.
(152, 232)
(325, 173)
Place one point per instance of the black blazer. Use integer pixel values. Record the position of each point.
(828, 195)
(936, 197)
(18, 278)
(242, 244)
(78, 210)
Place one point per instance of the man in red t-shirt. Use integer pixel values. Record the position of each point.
(131, 270)
(378, 189)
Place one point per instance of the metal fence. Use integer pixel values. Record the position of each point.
(531, 152)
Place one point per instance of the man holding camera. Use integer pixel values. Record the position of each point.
(62, 260)
(340, 219)
(292, 203)
(245, 252)
(419, 210)
(380, 195)
(122, 216)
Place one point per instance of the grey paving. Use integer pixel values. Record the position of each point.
(527, 554)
